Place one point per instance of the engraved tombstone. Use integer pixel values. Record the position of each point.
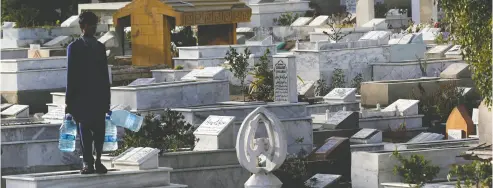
(141, 158)
(438, 51)
(330, 147)
(285, 80)
(405, 107)
(455, 134)
(16, 111)
(341, 95)
(216, 132)
(342, 120)
(454, 52)
(367, 136)
(55, 115)
(456, 70)
(426, 137)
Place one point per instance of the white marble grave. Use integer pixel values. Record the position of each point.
(376, 23)
(319, 21)
(456, 70)
(142, 81)
(55, 115)
(454, 134)
(341, 95)
(365, 12)
(301, 21)
(16, 111)
(404, 39)
(4, 106)
(285, 79)
(403, 107)
(426, 137)
(438, 51)
(109, 39)
(216, 132)
(207, 73)
(322, 181)
(306, 88)
(367, 136)
(141, 158)
(273, 148)
(58, 41)
(382, 36)
(454, 52)
(72, 21)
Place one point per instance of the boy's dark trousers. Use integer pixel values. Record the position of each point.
(91, 130)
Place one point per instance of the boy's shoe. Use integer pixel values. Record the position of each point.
(87, 169)
(100, 168)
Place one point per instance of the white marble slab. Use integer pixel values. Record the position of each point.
(142, 81)
(378, 23)
(319, 21)
(16, 111)
(216, 132)
(208, 73)
(454, 134)
(475, 116)
(285, 79)
(72, 21)
(302, 21)
(454, 52)
(4, 106)
(438, 51)
(58, 41)
(55, 115)
(306, 88)
(140, 158)
(339, 95)
(364, 133)
(404, 106)
(456, 70)
(214, 125)
(426, 137)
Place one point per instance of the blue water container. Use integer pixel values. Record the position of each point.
(110, 139)
(127, 120)
(68, 132)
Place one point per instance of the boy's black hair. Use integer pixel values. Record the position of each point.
(88, 18)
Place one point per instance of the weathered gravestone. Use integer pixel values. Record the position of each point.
(459, 119)
(456, 70)
(341, 95)
(334, 147)
(285, 80)
(342, 120)
(438, 51)
(216, 132)
(16, 111)
(426, 137)
(302, 21)
(323, 181)
(403, 107)
(306, 88)
(367, 136)
(142, 81)
(455, 134)
(319, 21)
(141, 158)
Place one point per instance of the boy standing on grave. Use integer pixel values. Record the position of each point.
(88, 91)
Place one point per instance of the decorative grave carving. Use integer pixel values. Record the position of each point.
(216, 132)
(285, 81)
(141, 158)
(341, 95)
(455, 134)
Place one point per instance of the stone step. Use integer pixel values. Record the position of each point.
(159, 177)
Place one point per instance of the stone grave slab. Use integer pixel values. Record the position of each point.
(342, 120)
(140, 158)
(368, 35)
(120, 107)
(306, 88)
(16, 111)
(377, 23)
(211, 73)
(285, 81)
(322, 181)
(58, 41)
(72, 21)
(216, 132)
(301, 21)
(438, 51)
(405, 107)
(459, 119)
(319, 21)
(109, 39)
(8, 25)
(456, 70)
(429, 37)
(4, 106)
(455, 134)
(191, 75)
(329, 148)
(426, 137)
(417, 39)
(142, 81)
(454, 52)
(341, 95)
(406, 39)
(55, 115)
(367, 136)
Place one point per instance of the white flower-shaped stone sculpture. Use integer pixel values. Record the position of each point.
(273, 148)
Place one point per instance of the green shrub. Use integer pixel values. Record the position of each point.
(262, 86)
(321, 88)
(338, 79)
(356, 82)
(415, 169)
(179, 67)
(167, 132)
(238, 65)
(476, 174)
(286, 19)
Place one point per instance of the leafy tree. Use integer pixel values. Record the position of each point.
(286, 19)
(338, 79)
(238, 64)
(471, 25)
(262, 87)
(321, 88)
(356, 82)
(476, 174)
(415, 169)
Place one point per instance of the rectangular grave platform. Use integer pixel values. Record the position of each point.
(73, 179)
(216, 132)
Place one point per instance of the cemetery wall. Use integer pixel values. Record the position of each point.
(43, 33)
(409, 69)
(369, 169)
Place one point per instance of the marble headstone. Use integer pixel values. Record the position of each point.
(142, 81)
(406, 107)
(341, 95)
(120, 107)
(456, 70)
(426, 137)
(319, 21)
(367, 136)
(438, 51)
(454, 52)
(455, 134)
(140, 158)
(285, 80)
(429, 37)
(216, 132)
(342, 120)
(58, 41)
(16, 111)
(306, 88)
(329, 147)
(322, 181)
(301, 21)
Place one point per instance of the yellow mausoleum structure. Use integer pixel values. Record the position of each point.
(152, 20)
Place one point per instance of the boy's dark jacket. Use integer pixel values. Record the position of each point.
(88, 86)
